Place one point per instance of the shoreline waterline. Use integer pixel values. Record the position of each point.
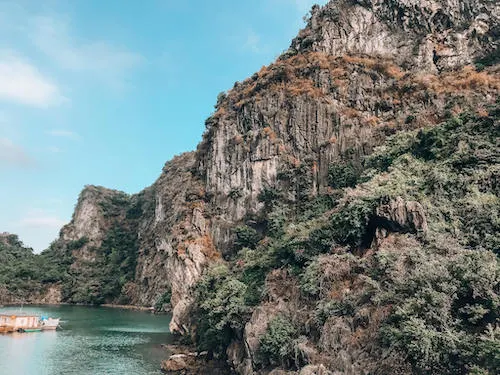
(124, 307)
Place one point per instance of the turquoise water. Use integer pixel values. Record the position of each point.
(93, 340)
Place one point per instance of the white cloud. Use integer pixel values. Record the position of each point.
(38, 228)
(23, 83)
(100, 59)
(13, 155)
(252, 42)
(42, 222)
(64, 134)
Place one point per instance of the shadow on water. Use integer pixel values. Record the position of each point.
(93, 340)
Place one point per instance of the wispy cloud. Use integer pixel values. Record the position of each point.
(252, 42)
(23, 83)
(64, 134)
(38, 227)
(13, 155)
(101, 59)
(54, 149)
(41, 221)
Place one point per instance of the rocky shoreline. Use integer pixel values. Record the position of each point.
(183, 361)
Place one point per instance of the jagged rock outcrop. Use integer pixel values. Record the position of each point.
(428, 35)
(403, 216)
(95, 212)
(175, 240)
(397, 215)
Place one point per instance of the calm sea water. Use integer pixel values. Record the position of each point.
(93, 341)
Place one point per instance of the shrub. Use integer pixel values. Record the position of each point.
(246, 237)
(269, 196)
(235, 194)
(342, 175)
(349, 225)
(444, 308)
(163, 300)
(277, 343)
(78, 244)
(310, 209)
(276, 220)
(222, 311)
(326, 309)
(253, 267)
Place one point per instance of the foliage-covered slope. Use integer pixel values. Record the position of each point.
(27, 277)
(82, 266)
(352, 281)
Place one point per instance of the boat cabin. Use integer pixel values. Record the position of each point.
(17, 322)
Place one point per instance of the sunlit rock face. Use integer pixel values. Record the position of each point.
(431, 35)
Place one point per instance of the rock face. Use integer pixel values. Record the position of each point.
(174, 239)
(360, 71)
(398, 216)
(403, 215)
(92, 220)
(432, 34)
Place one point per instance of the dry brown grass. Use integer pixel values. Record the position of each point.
(291, 76)
(281, 149)
(360, 60)
(238, 139)
(373, 121)
(208, 247)
(294, 161)
(295, 76)
(378, 64)
(221, 112)
(350, 113)
(269, 133)
(394, 71)
(482, 112)
(466, 79)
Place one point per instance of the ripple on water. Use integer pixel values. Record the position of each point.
(127, 329)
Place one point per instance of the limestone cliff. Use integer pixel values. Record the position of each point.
(359, 72)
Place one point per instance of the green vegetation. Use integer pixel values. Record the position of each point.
(23, 274)
(342, 175)
(86, 273)
(444, 310)
(276, 345)
(222, 311)
(246, 237)
(163, 302)
(102, 279)
(428, 302)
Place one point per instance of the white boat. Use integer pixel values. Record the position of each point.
(49, 324)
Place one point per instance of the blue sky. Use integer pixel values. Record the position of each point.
(104, 92)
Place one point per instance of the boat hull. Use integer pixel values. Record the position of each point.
(29, 330)
(6, 329)
(49, 328)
